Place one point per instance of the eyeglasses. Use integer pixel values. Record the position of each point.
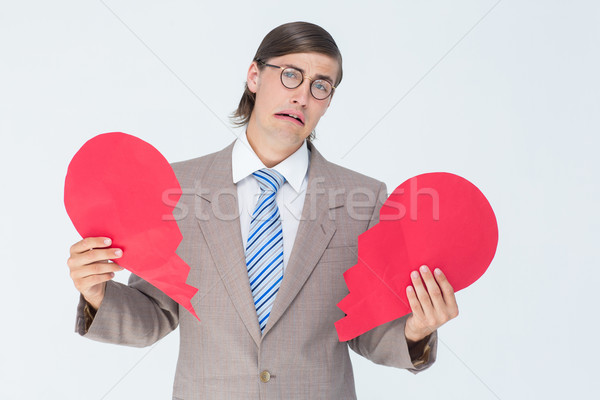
(291, 78)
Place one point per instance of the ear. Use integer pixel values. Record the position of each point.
(252, 78)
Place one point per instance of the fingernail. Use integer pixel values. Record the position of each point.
(107, 242)
(424, 268)
(409, 288)
(118, 252)
(112, 274)
(414, 274)
(438, 271)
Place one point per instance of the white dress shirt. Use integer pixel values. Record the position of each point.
(290, 196)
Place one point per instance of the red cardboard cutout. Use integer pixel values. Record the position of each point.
(436, 219)
(119, 186)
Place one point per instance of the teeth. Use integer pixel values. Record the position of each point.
(293, 116)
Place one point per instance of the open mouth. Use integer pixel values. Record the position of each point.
(290, 117)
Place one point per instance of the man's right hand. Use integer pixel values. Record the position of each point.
(91, 269)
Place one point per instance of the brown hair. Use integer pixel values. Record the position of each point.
(293, 37)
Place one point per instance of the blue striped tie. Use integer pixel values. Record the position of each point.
(264, 249)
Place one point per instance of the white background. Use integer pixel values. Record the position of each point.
(505, 94)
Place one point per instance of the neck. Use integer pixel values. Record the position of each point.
(269, 153)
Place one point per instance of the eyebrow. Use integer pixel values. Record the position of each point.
(318, 76)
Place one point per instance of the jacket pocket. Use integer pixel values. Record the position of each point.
(348, 254)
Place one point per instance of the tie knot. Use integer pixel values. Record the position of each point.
(269, 179)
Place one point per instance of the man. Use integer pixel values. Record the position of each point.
(268, 233)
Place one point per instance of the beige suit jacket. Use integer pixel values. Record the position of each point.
(225, 356)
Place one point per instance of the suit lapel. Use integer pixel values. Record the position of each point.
(220, 224)
(314, 233)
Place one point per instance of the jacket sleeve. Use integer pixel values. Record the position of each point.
(387, 344)
(136, 315)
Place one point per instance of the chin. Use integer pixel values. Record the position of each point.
(290, 138)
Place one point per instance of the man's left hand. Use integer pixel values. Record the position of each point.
(431, 307)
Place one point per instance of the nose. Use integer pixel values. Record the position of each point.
(301, 94)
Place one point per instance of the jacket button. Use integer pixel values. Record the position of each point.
(265, 376)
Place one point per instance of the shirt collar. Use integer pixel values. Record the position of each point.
(244, 162)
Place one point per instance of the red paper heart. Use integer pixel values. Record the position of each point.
(119, 186)
(436, 219)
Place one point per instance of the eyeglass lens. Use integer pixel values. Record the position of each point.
(292, 78)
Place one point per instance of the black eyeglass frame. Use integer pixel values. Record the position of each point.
(302, 81)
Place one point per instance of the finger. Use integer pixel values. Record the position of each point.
(97, 268)
(448, 292)
(94, 255)
(93, 280)
(90, 243)
(421, 293)
(414, 303)
(435, 293)
(78, 261)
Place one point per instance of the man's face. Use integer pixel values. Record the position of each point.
(268, 122)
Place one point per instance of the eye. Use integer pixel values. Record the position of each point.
(290, 73)
(321, 86)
